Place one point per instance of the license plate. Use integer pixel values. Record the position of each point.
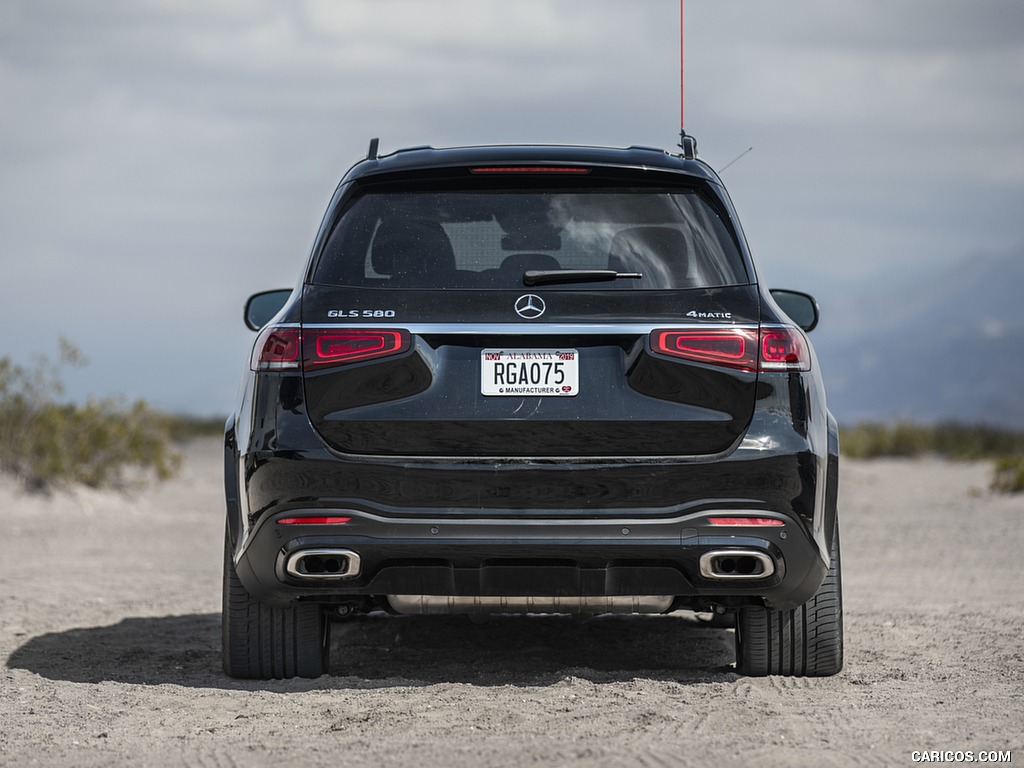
(530, 372)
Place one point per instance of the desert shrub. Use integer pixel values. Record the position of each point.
(103, 443)
(184, 427)
(871, 440)
(1009, 474)
(951, 440)
(975, 441)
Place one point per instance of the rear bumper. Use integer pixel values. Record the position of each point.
(543, 527)
(550, 558)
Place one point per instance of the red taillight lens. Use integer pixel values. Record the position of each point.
(277, 349)
(754, 521)
(314, 520)
(334, 347)
(775, 348)
(784, 349)
(731, 347)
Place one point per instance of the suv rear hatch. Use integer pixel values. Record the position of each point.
(478, 321)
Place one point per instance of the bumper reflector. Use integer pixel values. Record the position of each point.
(753, 521)
(314, 520)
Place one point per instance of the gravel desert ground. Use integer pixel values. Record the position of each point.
(109, 632)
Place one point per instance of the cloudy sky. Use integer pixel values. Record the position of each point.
(160, 160)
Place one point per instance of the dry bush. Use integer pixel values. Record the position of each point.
(102, 444)
(949, 439)
(1009, 475)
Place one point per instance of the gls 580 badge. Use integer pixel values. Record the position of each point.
(361, 313)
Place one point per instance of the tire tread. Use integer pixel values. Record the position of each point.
(806, 641)
(262, 642)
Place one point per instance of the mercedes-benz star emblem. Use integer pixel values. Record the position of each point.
(530, 306)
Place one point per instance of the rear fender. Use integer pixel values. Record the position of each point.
(233, 508)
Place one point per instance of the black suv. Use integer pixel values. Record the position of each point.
(536, 379)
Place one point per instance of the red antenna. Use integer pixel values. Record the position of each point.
(686, 143)
(682, 75)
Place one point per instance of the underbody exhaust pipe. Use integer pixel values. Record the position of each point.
(486, 605)
(736, 564)
(322, 564)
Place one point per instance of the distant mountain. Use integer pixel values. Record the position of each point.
(946, 346)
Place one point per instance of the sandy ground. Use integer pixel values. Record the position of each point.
(109, 629)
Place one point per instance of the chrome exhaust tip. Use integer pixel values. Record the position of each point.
(322, 564)
(736, 565)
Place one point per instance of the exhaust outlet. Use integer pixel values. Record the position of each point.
(736, 564)
(322, 564)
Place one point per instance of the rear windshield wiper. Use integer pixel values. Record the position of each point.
(544, 276)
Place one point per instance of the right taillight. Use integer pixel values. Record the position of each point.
(772, 348)
(784, 348)
(294, 349)
(730, 347)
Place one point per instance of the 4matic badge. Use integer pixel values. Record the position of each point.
(710, 315)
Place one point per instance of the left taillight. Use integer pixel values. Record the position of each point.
(331, 346)
(770, 348)
(277, 349)
(293, 349)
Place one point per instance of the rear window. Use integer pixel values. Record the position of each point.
(487, 239)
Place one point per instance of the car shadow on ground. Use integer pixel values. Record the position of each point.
(390, 651)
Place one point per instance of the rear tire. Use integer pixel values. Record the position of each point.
(806, 641)
(263, 642)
